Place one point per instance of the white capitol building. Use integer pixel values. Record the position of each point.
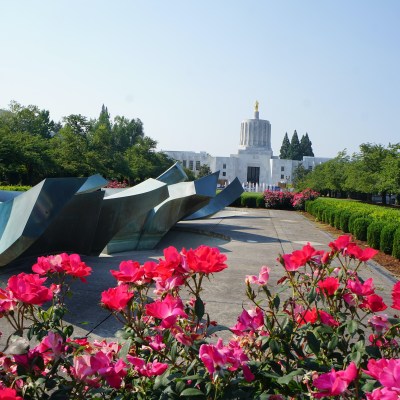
(254, 164)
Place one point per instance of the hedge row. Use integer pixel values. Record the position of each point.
(16, 188)
(379, 226)
(250, 200)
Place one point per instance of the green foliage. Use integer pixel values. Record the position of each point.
(387, 237)
(306, 146)
(352, 219)
(204, 170)
(33, 147)
(396, 244)
(360, 227)
(251, 200)
(336, 222)
(17, 188)
(295, 148)
(374, 234)
(285, 148)
(344, 221)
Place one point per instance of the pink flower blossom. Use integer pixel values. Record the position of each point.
(9, 394)
(329, 286)
(147, 369)
(168, 310)
(116, 299)
(340, 244)
(249, 321)
(7, 301)
(373, 303)
(129, 271)
(383, 394)
(396, 296)
(386, 371)
(205, 259)
(362, 255)
(379, 322)
(51, 347)
(361, 289)
(335, 383)
(29, 288)
(261, 279)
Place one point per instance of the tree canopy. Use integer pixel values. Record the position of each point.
(33, 147)
(296, 149)
(375, 169)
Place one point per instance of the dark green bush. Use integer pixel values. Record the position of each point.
(249, 199)
(344, 221)
(16, 188)
(360, 227)
(396, 244)
(374, 234)
(352, 218)
(260, 202)
(387, 237)
(332, 217)
(336, 222)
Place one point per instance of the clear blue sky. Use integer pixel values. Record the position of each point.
(192, 70)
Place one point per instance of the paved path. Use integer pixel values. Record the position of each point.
(250, 238)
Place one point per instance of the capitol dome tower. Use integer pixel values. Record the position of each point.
(255, 134)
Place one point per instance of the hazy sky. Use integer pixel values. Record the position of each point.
(192, 70)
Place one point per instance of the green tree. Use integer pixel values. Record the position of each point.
(306, 146)
(126, 132)
(295, 148)
(285, 148)
(299, 176)
(204, 170)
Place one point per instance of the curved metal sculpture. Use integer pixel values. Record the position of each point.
(184, 199)
(25, 218)
(174, 174)
(220, 201)
(126, 207)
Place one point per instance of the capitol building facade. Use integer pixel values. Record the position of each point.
(254, 164)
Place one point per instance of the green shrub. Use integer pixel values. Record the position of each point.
(249, 199)
(352, 218)
(396, 244)
(387, 237)
(344, 221)
(374, 234)
(332, 217)
(260, 202)
(16, 188)
(360, 227)
(336, 222)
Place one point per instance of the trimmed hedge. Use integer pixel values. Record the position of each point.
(374, 234)
(252, 200)
(360, 227)
(387, 237)
(15, 188)
(396, 244)
(343, 214)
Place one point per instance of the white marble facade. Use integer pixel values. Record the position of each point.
(254, 163)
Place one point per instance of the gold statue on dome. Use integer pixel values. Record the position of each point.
(256, 106)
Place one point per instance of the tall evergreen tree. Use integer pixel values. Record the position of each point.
(285, 148)
(295, 148)
(306, 146)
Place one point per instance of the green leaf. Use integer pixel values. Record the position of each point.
(125, 349)
(274, 346)
(312, 295)
(277, 302)
(216, 328)
(199, 308)
(352, 326)
(333, 343)
(313, 342)
(284, 380)
(191, 392)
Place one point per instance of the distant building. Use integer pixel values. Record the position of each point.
(254, 164)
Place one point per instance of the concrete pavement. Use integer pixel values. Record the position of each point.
(250, 238)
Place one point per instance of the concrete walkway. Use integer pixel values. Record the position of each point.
(250, 238)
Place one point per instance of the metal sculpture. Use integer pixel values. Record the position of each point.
(174, 174)
(26, 217)
(126, 208)
(223, 199)
(184, 199)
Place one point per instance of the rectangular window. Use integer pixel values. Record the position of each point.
(282, 169)
(223, 166)
(224, 174)
(197, 165)
(310, 167)
(191, 165)
(184, 163)
(282, 176)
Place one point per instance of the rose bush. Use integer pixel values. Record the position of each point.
(284, 200)
(318, 332)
